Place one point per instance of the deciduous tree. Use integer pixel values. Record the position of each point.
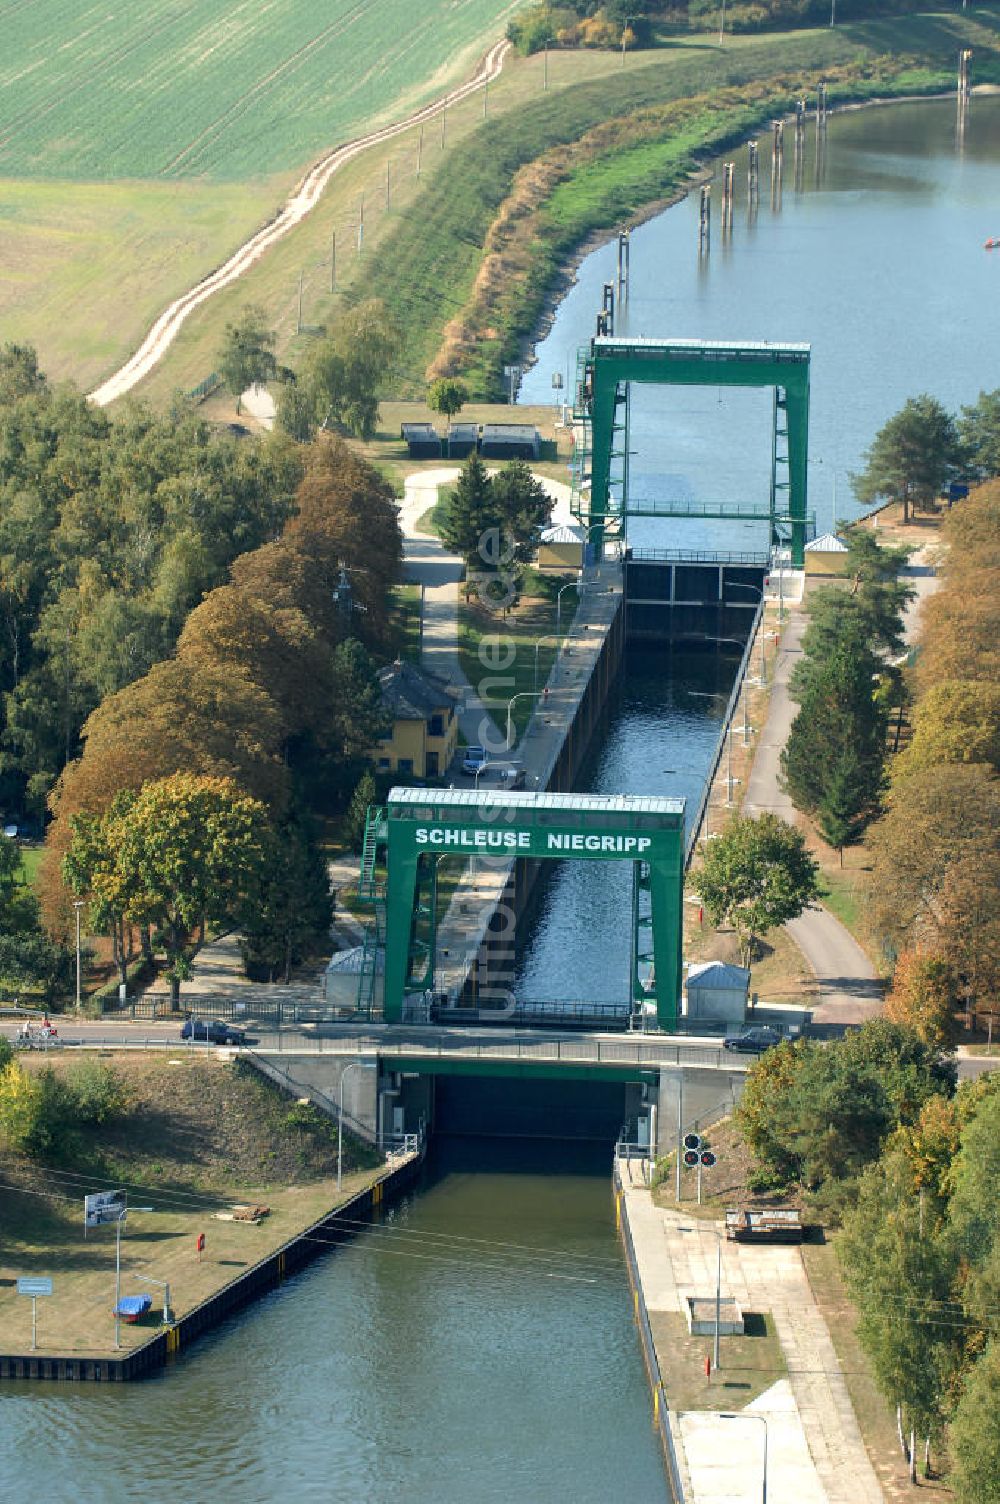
(755, 875)
(347, 516)
(182, 851)
(291, 910)
(246, 357)
(901, 1270)
(447, 395)
(956, 721)
(974, 1434)
(347, 370)
(923, 998)
(950, 814)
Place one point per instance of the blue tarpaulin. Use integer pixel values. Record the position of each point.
(134, 1305)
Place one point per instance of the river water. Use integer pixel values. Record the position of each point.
(480, 1346)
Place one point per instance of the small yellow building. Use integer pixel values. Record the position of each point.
(424, 732)
(560, 550)
(826, 555)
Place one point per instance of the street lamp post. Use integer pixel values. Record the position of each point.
(718, 1300)
(78, 905)
(751, 1415)
(524, 694)
(363, 1065)
(573, 585)
(628, 23)
(701, 694)
(547, 637)
(738, 585)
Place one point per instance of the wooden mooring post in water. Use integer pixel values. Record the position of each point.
(777, 159)
(728, 196)
(753, 174)
(705, 221)
(624, 252)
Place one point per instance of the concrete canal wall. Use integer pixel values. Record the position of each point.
(678, 1482)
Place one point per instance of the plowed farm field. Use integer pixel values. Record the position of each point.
(220, 89)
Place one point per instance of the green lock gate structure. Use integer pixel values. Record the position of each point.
(417, 827)
(605, 370)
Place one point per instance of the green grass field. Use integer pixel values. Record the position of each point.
(201, 123)
(217, 88)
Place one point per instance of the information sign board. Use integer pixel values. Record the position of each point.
(103, 1206)
(34, 1285)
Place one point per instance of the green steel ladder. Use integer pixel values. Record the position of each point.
(370, 892)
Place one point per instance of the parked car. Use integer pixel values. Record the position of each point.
(753, 1041)
(213, 1031)
(475, 760)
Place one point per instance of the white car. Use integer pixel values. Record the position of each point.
(475, 759)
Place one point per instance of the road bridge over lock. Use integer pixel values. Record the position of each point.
(394, 1081)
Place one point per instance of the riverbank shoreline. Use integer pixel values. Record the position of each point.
(596, 240)
(326, 1232)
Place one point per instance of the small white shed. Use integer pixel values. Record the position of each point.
(717, 990)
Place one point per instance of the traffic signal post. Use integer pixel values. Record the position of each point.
(695, 1156)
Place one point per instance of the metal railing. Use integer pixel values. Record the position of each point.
(398, 1145)
(648, 1051)
(661, 1409)
(318, 1098)
(697, 556)
(706, 793)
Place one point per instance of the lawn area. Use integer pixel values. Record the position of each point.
(406, 621)
(201, 1137)
(526, 634)
(748, 1364)
(31, 860)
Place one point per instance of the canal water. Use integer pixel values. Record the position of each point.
(873, 255)
(476, 1347)
(479, 1346)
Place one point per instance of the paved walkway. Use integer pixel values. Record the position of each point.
(816, 1454)
(850, 990)
(848, 986)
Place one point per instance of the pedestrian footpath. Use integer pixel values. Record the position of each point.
(815, 1452)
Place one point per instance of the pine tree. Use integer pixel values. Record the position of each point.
(845, 801)
(839, 712)
(472, 522)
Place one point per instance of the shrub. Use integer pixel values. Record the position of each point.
(98, 1092)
